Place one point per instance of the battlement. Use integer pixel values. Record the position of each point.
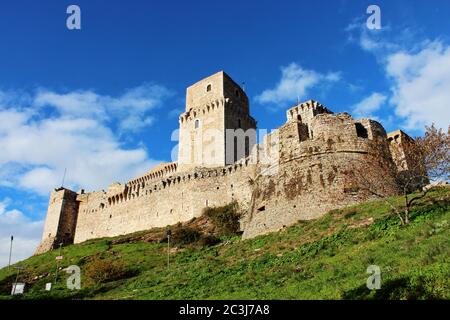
(298, 172)
(215, 87)
(198, 112)
(160, 171)
(306, 111)
(213, 106)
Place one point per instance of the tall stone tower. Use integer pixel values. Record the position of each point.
(61, 220)
(216, 129)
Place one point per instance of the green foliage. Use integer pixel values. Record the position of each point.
(420, 284)
(182, 235)
(225, 219)
(106, 270)
(325, 258)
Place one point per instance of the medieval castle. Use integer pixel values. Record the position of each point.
(296, 173)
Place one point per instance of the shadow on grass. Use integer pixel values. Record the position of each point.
(396, 289)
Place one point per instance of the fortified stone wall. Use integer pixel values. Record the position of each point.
(178, 197)
(311, 173)
(299, 172)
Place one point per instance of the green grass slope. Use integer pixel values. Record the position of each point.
(321, 259)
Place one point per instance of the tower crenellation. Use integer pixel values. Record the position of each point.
(214, 106)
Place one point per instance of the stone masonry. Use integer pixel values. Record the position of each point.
(297, 173)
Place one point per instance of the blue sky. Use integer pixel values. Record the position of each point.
(103, 101)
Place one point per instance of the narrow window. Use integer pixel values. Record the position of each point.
(197, 124)
(247, 146)
(236, 92)
(208, 88)
(235, 149)
(361, 131)
(299, 118)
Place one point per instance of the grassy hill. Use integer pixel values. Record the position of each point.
(321, 259)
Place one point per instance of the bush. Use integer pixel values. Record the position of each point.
(225, 219)
(106, 270)
(184, 235)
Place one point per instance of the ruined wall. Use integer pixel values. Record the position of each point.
(410, 167)
(399, 144)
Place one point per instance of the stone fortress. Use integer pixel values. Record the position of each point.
(297, 172)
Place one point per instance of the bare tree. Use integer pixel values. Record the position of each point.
(428, 161)
(415, 163)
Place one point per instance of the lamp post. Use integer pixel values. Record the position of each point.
(10, 251)
(168, 233)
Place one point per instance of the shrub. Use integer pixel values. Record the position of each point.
(225, 219)
(106, 270)
(182, 235)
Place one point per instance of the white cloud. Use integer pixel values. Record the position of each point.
(40, 179)
(37, 149)
(421, 85)
(27, 234)
(135, 123)
(295, 82)
(373, 41)
(419, 72)
(130, 110)
(369, 105)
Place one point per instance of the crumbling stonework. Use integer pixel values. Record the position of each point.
(398, 143)
(297, 173)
